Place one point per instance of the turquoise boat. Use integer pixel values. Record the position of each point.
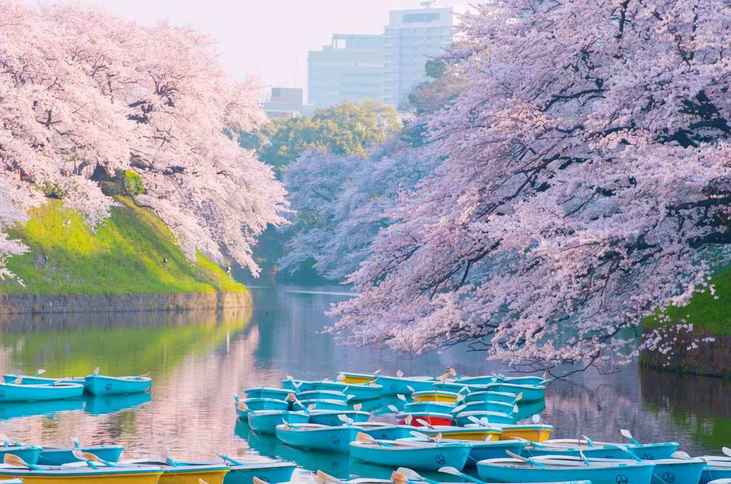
(322, 395)
(717, 468)
(548, 469)
(490, 396)
(393, 385)
(127, 474)
(319, 404)
(478, 380)
(486, 406)
(721, 481)
(428, 456)
(356, 391)
(448, 386)
(607, 450)
(427, 407)
(244, 471)
(496, 418)
(13, 392)
(335, 417)
(317, 437)
(529, 392)
(266, 421)
(264, 404)
(678, 470)
(116, 385)
(52, 456)
(29, 453)
(384, 431)
(494, 450)
(264, 392)
(290, 384)
(39, 380)
(114, 403)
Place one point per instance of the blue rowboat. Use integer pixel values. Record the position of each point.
(546, 469)
(478, 380)
(450, 386)
(175, 472)
(678, 470)
(487, 396)
(266, 421)
(39, 380)
(264, 404)
(11, 392)
(264, 392)
(529, 392)
(322, 395)
(384, 431)
(245, 470)
(393, 385)
(721, 481)
(496, 418)
(317, 437)
(29, 453)
(116, 385)
(317, 404)
(486, 406)
(333, 417)
(427, 407)
(52, 456)
(428, 456)
(494, 450)
(716, 468)
(114, 403)
(291, 384)
(357, 392)
(649, 451)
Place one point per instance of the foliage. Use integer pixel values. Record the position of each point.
(131, 252)
(84, 95)
(347, 130)
(132, 182)
(586, 173)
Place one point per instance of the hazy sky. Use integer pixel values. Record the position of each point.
(268, 39)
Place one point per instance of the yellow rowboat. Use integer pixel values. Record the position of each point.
(190, 473)
(82, 474)
(532, 432)
(472, 434)
(436, 396)
(356, 378)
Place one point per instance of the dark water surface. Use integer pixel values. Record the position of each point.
(198, 360)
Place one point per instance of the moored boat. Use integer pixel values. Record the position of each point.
(254, 404)
(39, 380)
(13, 392)
(424, 419)
(116, 385)
(336, 417)
(717, 468)
(531, 432)
(99, 474)
(355, 391)
(244, 470)
(266, 421)
(474, 434)
(493, 418)
(487, 406)
(491, 396)
(29, 453)
(188, 472)
(266, 392)
(56, 456)
(357, 378)
(428, 456)
(648, 451)
(322, 404)
(529, 392)
(549, 469)
(322, 395)
(428, 407)
(436, 396)
(393, 385)
(317, 437)
(384, 431)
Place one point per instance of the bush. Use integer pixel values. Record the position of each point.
(132, 183)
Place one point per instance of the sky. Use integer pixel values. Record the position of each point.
(266, 39)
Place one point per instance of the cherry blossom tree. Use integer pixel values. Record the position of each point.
(84, 95)
(585, 180)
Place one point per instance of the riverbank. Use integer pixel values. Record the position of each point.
(130, 262)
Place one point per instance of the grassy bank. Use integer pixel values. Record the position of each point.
(132, 252)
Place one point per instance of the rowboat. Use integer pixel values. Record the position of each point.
(116, 385)
(384, 431)
(393, 385)
(39, 380)
(263, 404)
(495, 450)
(321, 404)
(266, 421)
(649, 451)
(188, 472)
(490, 396)
(450, 386)
(428, 407)
(542, 469)
(317, 437)
(417, 419)
(436, 396)
(335, 417)
(291, 384)
(322, 395)
(487, 406)
(357, 378)
(128, 474)
(721, 481)
(678, 470)
(114, 403)
(530, 432)
(356, 391)
(13, 392)
(475, 434)
(494, 418)
(428, 456)
(529, 392)
(716, 468)
(29, 453)
(243, 471)
(53, 456)
(265, 392)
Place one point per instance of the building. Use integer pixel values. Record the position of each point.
(413, 37)
(284, 102)
(349, 69)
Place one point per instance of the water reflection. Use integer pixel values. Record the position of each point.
(200, 359)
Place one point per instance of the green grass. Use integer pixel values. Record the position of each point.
(704, 311)
(132, 252)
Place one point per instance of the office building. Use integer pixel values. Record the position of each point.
(284, 102)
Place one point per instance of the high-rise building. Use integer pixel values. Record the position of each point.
(349, 69)
(284, 102)
(413, 37)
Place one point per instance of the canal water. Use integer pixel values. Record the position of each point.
(199, 360)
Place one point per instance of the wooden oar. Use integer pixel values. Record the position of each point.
(457, 473)
(628, 435)
(411, 475)
(345, 419)
(726, 451)
(424, 423)
(324, 478)
(256, 480)
(16, 461)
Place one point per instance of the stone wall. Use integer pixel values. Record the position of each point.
(37, 304)
(695, 352)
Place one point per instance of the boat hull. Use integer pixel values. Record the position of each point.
(678, 471)
(269, 472)
(386, 432)
(327, 439)
(487, 406)
(429, 417)
(194, 474)
(533, 433)
(255, 404)
(713, 473)
(427, 407)
(473, 434)
(463, 418)
(632, 473)
(100, 385)
(494, 450)
(266, 421)
(263, 392)
(356, 391)
(356, 378)
(29, 453)
(393, 385)
(324, 404)
(428, 457)
(83, 475)
(56, 457)
(488, 396)
(436, 396)
(331, 417)
(529, 392)
(11, 392)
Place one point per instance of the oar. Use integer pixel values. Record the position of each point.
(527, 460)
(399, 373)
(364, 438)
(393, 408)
(87, 457)
(255, 480)
(15, 461)
(230, 460)
(40, 371)
(424, 423)
(457, 473)
(358, 407)
(412, 475)
(628, 435)
(458, 408)
(345, 419)
(726, 451)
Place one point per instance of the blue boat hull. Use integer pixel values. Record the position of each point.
(498, 418)
(56, 457)
(273, 393)
(621, 473)
(428, 458)
(325, 404)
(487, 406)
(274, 473)
(100, 385)
(494, 450)
(29, 453)
(714, 473)
(266, 421)
(358, 392)
(491, 396)
(386, 432)
(427, 407)
(10, 392)
(255, 404)
(330, 417)
(529, 392)
(678, 472)
(39, 380)
(327, 439)
(322, 395)
(393, 385)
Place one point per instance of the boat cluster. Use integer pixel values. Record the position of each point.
(21, 388)
(482, 426)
